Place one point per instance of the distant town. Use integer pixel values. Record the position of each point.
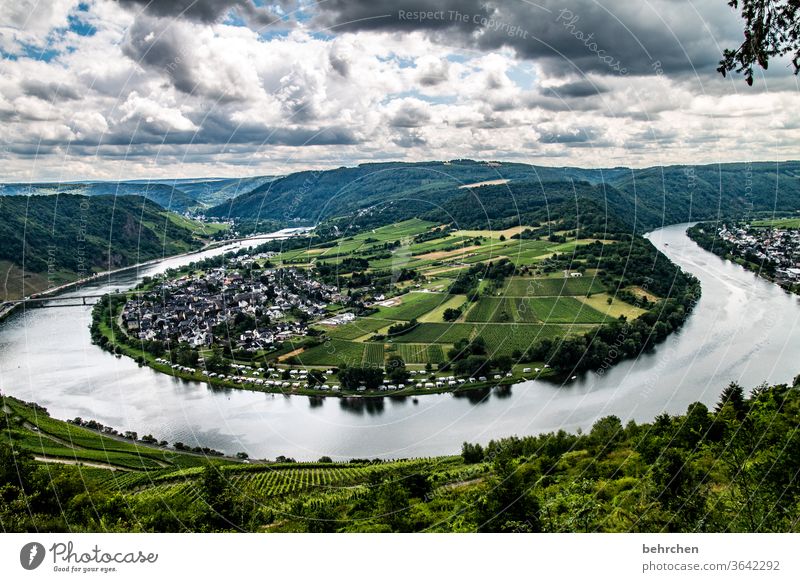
(776, 249)
(252, 313)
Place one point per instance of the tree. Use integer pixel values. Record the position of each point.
(471, 453)
(772, 29)
(733, 394)
(396, 369)
(451, 314)
(217, 363)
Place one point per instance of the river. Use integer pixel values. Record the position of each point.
(743, 329)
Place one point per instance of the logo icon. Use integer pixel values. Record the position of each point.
(31, 555)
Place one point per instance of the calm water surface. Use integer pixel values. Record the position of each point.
(743, 329)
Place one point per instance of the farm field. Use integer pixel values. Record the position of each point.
(533, 310)
(551, 286)
(615, 309)
(358, 328)
(507, 338)
(373, 354)
(32, 430)
(412, 306)
(273, 481)
(444, 333)
(563, 310)
(421, 353)
(778, 223)
(334, 352)
(436, 314)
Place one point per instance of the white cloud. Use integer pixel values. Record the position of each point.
(147, 96)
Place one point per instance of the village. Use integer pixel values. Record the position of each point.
(253, 313)
(777, 248)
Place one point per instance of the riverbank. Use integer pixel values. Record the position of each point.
(7, 308)
(729, 252)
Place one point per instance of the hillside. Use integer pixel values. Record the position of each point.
(647, 197)
(70, 236)
(687, 473)
(498, 207)
(316, 195)
(179, 195)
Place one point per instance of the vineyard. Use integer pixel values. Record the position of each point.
(374, 354)
(421, 353)
(444, 333)
(502, 338)
(551, 287)
(334, 352)
(356, 329)
(413, 306)
(564, 310)
(263, 482)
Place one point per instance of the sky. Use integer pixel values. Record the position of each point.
(128, 89)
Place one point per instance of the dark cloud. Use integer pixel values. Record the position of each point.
(616, 38)
(410, 139)
(47, 91)
(220, 131)
(206, 11)
(571, 136)
(577, 89)
(433, 73)
(389, 15)
(340, 64)
(410, 115)
(156, 45)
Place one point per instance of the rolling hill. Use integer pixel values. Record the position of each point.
(178, 195)
(646, 198)
(51, 240)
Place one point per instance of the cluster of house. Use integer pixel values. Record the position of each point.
(779, 246)
(277, 301)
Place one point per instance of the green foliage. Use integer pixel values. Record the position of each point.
(111, 232)
(351, 377)
(770, 30)
(734, 469)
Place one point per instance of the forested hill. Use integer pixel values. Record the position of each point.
(178, 195)
(69, 236)
(647, 197)
(597, 208)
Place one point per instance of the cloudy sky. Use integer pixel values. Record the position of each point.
(174, 88)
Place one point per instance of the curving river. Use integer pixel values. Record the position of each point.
(744, 329)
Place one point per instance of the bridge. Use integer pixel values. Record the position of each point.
(54, 301)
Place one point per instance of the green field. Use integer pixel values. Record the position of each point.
(506, 338)
(373, 354)
(443, 333)
(563, 310)
(412, 306)
(533, 310)
(537, 287)
(421, 353)
(32, 430)
(778, 223)
(496, 310)
(334, 352)
(271, 482)
(355, 329)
